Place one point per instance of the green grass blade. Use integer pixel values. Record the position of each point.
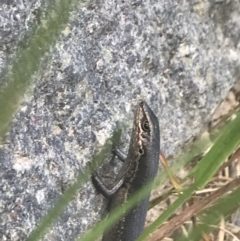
(117, 213)
(97, 230)
(71, 191)
(166, 214)
(27, 60)
(223, 147)
(207, 167)
(196, 149)
(212, 216)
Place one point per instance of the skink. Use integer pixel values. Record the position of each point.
(140, 166)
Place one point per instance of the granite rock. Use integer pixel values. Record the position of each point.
(181, 57)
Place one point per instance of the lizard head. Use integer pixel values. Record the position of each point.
(147, 136)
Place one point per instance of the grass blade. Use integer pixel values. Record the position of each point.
(206, 168)
(70, 193)
(27, 60)
(223, 147)
(212, 216)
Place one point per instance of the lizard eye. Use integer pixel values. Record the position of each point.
(145, 126)
(141, 151)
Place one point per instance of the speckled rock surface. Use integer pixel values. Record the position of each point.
(181, 57)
